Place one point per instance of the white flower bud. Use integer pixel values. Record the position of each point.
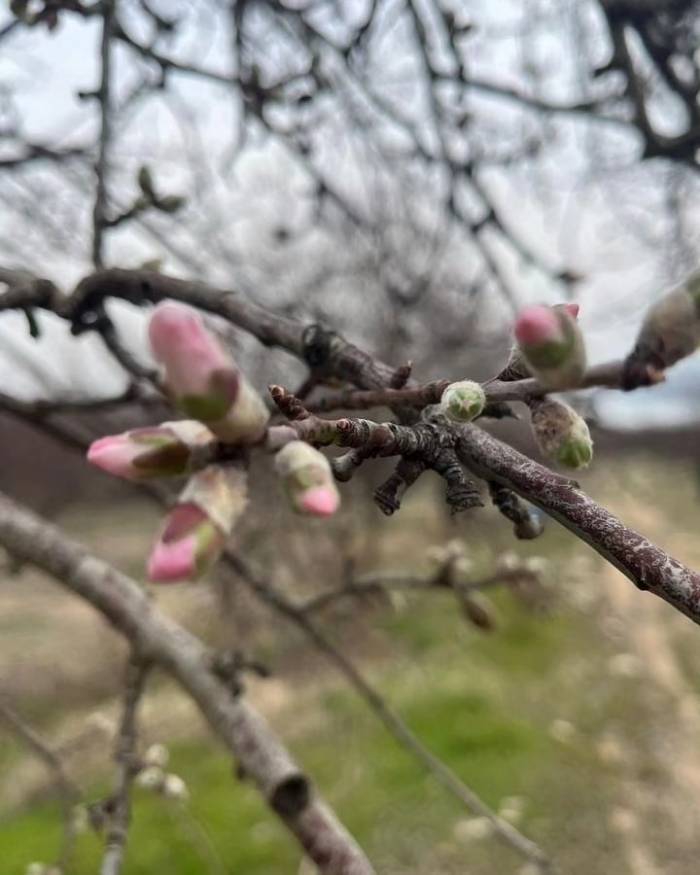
(156, 755)
(150, 778)
(508, 561)
(473, 828)
(175, 788)
(36, 869)
(100, 722)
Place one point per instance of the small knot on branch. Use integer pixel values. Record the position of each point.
(528, 522)
(461, 493)
(388, 495)
(401, 375)
(291, 796)
(288, 404)
(317, 343)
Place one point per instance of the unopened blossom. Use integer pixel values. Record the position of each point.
(307, 478)
(463, 401)
(561, 434)
(196, 529)
(165, 450)
(202, 378)
(670, 332)
(516, 367)
(552, 345)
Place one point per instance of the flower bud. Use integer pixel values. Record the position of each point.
(203, 379)
(196, 529)
(670, 332)
(552, 345)
(561, 434)
(308, 479)
(150, 778)
(164, 450)
(175, 788)
(463, 401)
(156, 755)
(516, 368)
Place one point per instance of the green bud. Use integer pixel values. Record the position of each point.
(463, 401)
(561, 434)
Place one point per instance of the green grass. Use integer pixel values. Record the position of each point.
(482, 703)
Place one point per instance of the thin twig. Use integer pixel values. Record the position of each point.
(119, 805)
(104, 97)
(505, 831)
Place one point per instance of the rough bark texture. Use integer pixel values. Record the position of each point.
(646, 565)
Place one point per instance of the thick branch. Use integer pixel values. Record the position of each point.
(158, 638)
(646, 565)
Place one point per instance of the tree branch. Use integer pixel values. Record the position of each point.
(158, 638)
(646, 565)
(119, 806)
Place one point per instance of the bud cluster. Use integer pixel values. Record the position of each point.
(153, 776)
(205, 384)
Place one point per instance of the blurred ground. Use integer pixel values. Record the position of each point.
(589, 715)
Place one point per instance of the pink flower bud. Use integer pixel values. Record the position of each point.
(551, 345)
(196, 530)
(536, 325)
(308, 479)
(164, 450)
(516, 368)
(204, 380)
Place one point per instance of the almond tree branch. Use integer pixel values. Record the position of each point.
(647, 566)
(164, 642)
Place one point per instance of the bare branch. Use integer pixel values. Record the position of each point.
(646, 565)
(119, 805)
(158, 638)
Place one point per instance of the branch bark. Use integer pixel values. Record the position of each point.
(646, 565)
(158, 638)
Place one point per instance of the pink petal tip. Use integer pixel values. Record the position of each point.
(537, 325)
(320, 501)
(172, 562)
